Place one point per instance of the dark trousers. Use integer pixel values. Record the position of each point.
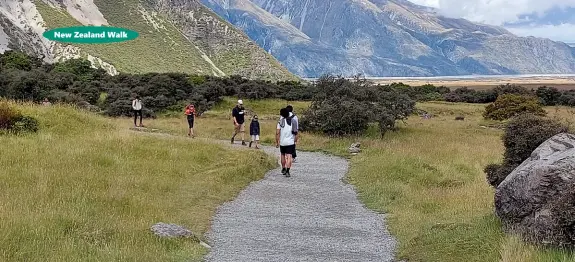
(294, 153)
(136, 113)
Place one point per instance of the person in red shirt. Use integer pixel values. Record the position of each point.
(191, 115)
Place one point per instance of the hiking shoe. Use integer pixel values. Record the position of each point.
(232, 140)
(250, 144)
(284, 171)
(243, 143)
(287, 174)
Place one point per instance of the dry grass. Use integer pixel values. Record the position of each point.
(83, 189)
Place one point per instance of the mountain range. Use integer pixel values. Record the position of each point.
(387, 38)
(279, 39)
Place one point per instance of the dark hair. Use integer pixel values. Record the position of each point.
(289, 108)
(284, 112)
(137, 97)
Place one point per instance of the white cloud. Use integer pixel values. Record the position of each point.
(560, 32)
(495, 12)
(500, 12)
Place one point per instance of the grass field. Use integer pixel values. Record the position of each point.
(428, 177)
(84, 189)
(97, 187)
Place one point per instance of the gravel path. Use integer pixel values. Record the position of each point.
(310, 216)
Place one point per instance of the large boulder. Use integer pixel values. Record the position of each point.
(537, 199)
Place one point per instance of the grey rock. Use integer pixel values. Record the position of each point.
(171, 230)
(354, 148)
(311, 216)
(537, 199)
(387, 38)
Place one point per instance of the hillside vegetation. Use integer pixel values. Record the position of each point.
(83, 189)
(162, 46)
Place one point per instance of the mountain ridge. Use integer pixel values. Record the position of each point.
(388, 38)
(173, 37)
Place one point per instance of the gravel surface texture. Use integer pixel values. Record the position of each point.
(311, 216)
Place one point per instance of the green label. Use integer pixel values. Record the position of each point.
(91, 34)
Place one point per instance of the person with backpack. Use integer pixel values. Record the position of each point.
(137, 107)
(292, 114)
(286, 138)
(190, 112)
(255, 131)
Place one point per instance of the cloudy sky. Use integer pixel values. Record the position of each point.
(553, 19)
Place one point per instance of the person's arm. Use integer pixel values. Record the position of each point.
(234, 117)
(278, 135)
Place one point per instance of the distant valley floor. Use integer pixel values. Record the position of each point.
(562, 82)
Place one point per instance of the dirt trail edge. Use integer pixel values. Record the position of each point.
(310, 216)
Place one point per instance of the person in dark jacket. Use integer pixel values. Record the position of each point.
(255, 131)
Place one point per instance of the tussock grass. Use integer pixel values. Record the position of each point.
(84, 189)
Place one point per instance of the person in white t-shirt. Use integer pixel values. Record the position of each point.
(137, 107)
(286, 138)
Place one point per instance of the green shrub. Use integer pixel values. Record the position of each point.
(548, 96)
(12, 121)
(523, 134)
(25, 124)
(345, 107)
(511, 105)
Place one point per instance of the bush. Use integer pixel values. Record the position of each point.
(548, 96)
(345, 107)
(523, 134)
(12, 121)
(510, 105)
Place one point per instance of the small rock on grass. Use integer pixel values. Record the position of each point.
(354, 148)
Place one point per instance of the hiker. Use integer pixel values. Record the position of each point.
(238, 114)
(191, 115)
(292, 114)
(46, 102)
(255, 131)
(137, 106)
(286, 138)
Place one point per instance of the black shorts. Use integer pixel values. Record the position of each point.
(287, 150)
(191, 121)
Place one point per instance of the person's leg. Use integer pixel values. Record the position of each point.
(141, 116)
(236, 130)
(253, 138)
(189, 126)
(242, 131)
(257, 142)
(192, 127)
(283, 159)
(288, 159)
(135, 117)
(294, 155)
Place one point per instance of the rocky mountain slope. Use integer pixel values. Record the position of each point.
(175, 36)
(387, 38)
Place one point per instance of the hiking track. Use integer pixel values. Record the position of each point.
(311, 216)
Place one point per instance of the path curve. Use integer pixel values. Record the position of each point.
(310, 216)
